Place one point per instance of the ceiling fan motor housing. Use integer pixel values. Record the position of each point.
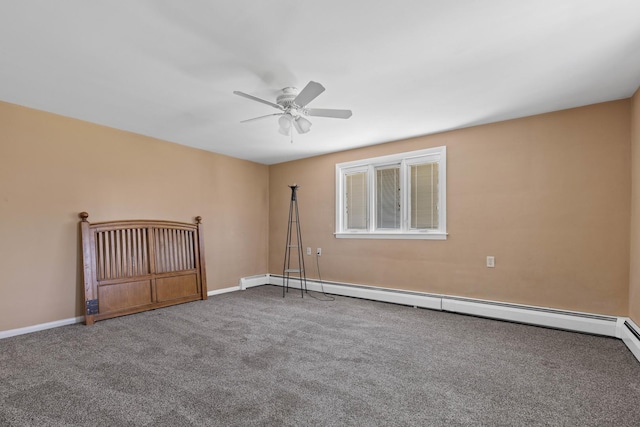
(285, 99)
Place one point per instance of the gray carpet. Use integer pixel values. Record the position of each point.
(253, 358)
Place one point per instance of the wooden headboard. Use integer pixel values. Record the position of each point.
(133, 266)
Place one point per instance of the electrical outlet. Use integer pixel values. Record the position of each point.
(309, 251)
(319, 251)
(491, 261)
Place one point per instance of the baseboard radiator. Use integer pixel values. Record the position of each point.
(631, 337)
(539, 316)
(610, 326)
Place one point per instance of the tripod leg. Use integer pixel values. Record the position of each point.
(287, 253)
(303, 271)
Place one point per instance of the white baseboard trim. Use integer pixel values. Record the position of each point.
(251, 281)
(41, 327)
(223, 291)
(532, 315)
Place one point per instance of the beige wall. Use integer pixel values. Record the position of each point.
(52, 167)
(634, 282)
(547, 195)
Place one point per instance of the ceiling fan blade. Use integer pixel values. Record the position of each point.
(261, 117)
(255, 98)
(327, 112)
(308, 94)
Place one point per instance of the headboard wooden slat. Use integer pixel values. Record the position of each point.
(133, 266)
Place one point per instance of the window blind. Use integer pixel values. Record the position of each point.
(356, 201)
(424, 196)
(388, 198)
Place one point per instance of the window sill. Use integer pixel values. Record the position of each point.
(382, 235)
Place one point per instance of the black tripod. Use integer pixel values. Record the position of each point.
(296, 269)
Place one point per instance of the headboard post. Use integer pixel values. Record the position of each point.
(203, 269)
(88, 266)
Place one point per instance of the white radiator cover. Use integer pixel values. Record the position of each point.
(630, 334)
(611, 326)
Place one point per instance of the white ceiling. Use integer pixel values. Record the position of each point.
(168, 69)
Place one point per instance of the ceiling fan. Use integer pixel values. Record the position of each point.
(293, 108)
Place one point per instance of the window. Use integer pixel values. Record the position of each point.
(401, 196)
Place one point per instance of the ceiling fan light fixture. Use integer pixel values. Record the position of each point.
(285, 121)
(302, 125)
(285, 124)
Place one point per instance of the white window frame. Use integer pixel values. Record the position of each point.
(404, 160)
